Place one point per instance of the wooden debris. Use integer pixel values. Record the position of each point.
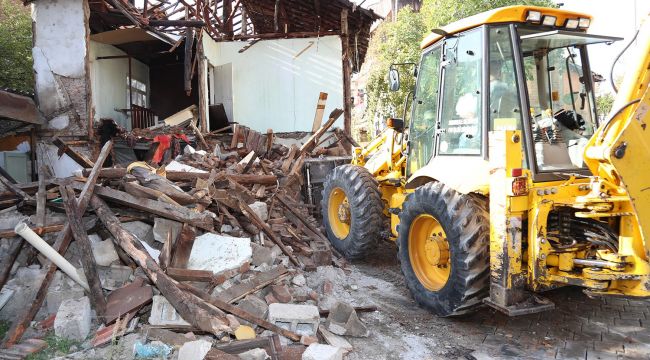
(232, 309)
(190, 275)
(239, 291)
(187, 306)
(77, 157)
(183, 246)
(313, 140)
(159, 208)
(60, 245)
(96, 294)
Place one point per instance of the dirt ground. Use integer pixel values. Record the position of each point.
(579, 327)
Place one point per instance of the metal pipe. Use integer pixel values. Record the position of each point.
(37, 242)
(599, 264)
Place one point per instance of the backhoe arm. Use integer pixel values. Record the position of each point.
(619, 152)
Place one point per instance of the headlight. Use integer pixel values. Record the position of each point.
(584, 23)
(534, 16)
(549, 20)
(571, 23)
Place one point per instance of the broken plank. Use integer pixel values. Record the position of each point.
(311, 142)
(189, 308)
(126, 299)
(169, 211)
(8, 258)
(107, 173)
(190, 275)
(244, 179)
(320, 110)
(183, 246)
(138, 190)
(239, 291)
(77, 157)
(96, 293)
(14, 189)
(232, 309)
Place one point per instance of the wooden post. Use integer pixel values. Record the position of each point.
(227, 19)
(96, 293)
(183, 246)
(203, 96)
(60, 245)
(189, 44)
(41, 198)
(347, 72)
(191, 309)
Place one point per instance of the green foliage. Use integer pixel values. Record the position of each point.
(604, 104)
(15, 46)
(399, 41)
(4, 327)
(56, 346)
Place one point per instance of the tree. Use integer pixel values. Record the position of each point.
(399, 42)
(604, 104)
(16, 46)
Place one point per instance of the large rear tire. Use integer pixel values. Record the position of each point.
(352, 210)
(443, 248)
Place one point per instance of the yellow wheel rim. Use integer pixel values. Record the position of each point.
(339, 213)
(429, 252)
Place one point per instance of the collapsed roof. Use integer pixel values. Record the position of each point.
(229, 20)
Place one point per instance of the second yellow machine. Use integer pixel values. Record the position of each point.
(505, 183)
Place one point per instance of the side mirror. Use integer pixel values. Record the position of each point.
(393, 79)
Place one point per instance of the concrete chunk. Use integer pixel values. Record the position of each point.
(334, 339)
(162, 226)
(73, 319)
(262, 255)
(104, 252)
(141, 230)
(302, 319)
(254, 354)
(163, 313)
(253, 305)
(218, 253)
(322, 352)
(343, 320)
(62, 288)
(260, 209)
(194, 350)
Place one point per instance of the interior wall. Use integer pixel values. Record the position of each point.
(276, 83)
(109, 86)
(168, 90)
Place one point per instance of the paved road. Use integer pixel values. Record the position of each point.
(579, 327)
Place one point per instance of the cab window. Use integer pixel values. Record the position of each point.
(460, 122)
(425, 111)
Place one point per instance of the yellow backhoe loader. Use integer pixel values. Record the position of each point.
(504, 183)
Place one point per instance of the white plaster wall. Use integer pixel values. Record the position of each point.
(276, 83)
(59, 59)
(108, 81)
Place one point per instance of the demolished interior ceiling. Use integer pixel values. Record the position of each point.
(231, 20)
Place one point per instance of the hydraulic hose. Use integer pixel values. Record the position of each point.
(611, 70)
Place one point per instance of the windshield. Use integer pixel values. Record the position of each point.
(560, 98)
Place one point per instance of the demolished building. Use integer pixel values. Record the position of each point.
(164, 195)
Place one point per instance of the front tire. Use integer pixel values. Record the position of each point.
(443, 248)
(352, 210)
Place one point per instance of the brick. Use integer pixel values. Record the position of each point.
(630, 315)
(281, 293)
(608, 346)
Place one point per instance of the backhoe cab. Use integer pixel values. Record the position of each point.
(503, 183)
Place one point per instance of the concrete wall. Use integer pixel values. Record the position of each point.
(276, 83)
(108, 79)
(60, 49)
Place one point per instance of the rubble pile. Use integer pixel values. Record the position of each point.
(201, 256)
